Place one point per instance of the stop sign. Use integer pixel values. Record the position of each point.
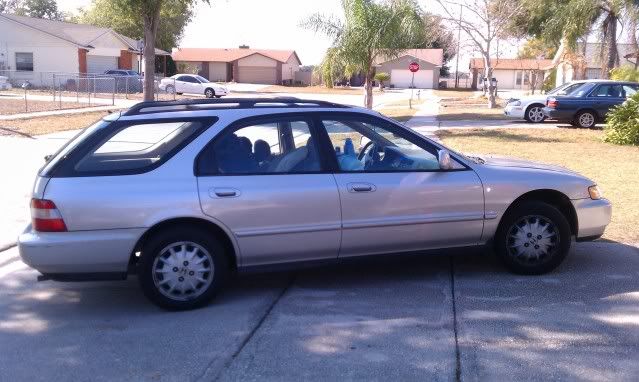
(413, 67)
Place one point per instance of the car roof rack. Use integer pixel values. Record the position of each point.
(150, 107)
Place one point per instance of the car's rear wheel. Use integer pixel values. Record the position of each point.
(535, 114)
(170, 89)
(586, 119)
(209, 93)
(533, 238)
(182, 268)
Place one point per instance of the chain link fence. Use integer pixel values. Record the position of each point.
(56, 90)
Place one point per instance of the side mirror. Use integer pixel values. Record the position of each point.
(443, 157)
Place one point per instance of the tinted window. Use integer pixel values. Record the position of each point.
(278, 147)
(201, 79)
(361, 145)
(137, 146)
(629, 90)
(610, 91)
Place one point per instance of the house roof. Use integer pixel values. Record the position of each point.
(512, 63)
(434, 56)
(230, 54)
(83, 35)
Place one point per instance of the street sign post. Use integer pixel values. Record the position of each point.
(413, 67)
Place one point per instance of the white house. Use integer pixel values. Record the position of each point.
(427, 77)
(34, 47)
(511, 73)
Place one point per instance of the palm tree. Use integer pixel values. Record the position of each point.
(382, 77)
(371, 30)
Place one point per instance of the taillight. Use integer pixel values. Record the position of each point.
(552, 102)
(45, 216)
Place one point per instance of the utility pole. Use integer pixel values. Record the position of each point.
(461, 9)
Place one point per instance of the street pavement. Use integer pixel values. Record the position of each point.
(407, 318)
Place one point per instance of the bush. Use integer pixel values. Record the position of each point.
(622, 125)
(625, 73)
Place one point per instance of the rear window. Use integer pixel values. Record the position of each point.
(137, 147)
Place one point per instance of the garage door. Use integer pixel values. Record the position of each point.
(100, 64)
(257, 75)
(402, 78)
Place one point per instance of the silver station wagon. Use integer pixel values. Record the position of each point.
(185, 193)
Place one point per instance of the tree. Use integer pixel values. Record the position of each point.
(571, 21)
(174, 16)
(439, 37)
(485, 22)
(41, 9)
(381, 77)
(371, 30)
(148, 12)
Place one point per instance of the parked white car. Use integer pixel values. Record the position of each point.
(531, 107)
(192, 84)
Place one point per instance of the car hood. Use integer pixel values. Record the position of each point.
(541, 98)
(504, 161)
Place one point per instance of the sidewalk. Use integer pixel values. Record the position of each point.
(81, 110)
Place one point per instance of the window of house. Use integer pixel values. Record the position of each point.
(526, 78)
(24, 61)
(518, 77)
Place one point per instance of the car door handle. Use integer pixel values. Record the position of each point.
(224, 193)
(361, 187)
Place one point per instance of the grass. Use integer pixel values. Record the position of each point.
(314, 90)
(454, 93)
(11, 105)
(613, 167)
(470, 108)
(50, 124)
(400, 110)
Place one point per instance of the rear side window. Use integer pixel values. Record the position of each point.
(137, 147)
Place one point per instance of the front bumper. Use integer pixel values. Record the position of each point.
(100, 251)
(592, 217)
(221, 92)
(514, 111)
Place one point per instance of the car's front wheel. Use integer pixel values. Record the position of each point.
(209, 93)
(182, 268)
(535, 114)
(533, 238)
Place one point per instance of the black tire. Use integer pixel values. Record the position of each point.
(557, 249)
(218, 96)
(156, 245)
(179, 93)
(586, 119)
(531, 118)
(209, 93)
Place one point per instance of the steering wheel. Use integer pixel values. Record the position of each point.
(362, 152)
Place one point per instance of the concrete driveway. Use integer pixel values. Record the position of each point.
(408, 318)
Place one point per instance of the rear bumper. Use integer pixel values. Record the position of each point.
(102, 251)
(592, 217)
(562, 115)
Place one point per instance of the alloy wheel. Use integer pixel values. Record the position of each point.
(586, 120)
(183, 271)
(536, 114)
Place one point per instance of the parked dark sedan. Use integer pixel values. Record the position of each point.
(590, 103)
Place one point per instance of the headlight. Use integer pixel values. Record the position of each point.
(515, 103)
(595, 192)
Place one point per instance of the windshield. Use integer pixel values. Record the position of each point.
(567, 89)
(201, 79)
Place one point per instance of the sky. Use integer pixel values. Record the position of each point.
(266, 24)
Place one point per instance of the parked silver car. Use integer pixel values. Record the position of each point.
(184, 193)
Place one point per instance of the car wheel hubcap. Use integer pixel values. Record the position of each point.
(209, 93)
(532, 239)
(183, 271)
(536, 114)
(586, 119)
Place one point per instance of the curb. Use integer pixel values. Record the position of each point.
(5, 247)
